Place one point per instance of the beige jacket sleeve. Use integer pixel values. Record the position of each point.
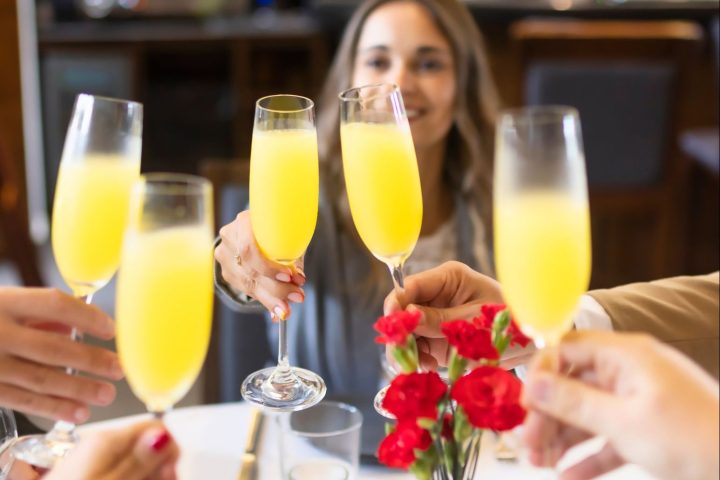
(681, 311)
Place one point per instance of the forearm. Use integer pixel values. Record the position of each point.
(681, 311)
(673, 310)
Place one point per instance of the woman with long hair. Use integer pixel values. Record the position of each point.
(434, 52)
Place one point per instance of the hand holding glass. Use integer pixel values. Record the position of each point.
(100, 161)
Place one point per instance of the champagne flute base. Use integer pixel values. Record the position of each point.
(43, 450)
(306, 390)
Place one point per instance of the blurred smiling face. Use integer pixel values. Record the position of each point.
(401, 44)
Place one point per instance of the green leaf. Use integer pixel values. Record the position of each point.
(389, 428)
(461, 428)
(404, 359)
(421, 471)
(412, 347)
(456, 366)
(427, 423)
(502, 343)
(425, 460)
(501, 321)
(449, 455)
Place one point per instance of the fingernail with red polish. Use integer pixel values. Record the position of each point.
(159, 442)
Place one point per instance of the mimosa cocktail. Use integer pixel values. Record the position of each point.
(541, 218)
(164, 311)
(89, 217)
(381, 173)
(383, 186)
(100, 161)
(165, 287)
(542, 246)
(381, 178)
(284, 191)
(284, 183)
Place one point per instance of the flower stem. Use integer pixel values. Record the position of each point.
(456, 366)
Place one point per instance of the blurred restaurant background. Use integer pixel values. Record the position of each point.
(643, 74)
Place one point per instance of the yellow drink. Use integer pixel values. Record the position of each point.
(284, 191)
(383, 185)
(89, 216)
(164, 311)
(542, 243)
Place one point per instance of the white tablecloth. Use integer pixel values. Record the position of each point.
(212, 439)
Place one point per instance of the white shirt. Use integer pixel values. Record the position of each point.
(434, 249)
(591, 315)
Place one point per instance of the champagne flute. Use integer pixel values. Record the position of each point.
(542, 219)
(284, 183)
(381, 178)
(165, 287)
(100, 161)
(542, 222)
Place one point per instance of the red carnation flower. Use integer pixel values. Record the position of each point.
(395, 328)
(487, 315)
(414, 395)
(490, 397)
(471, 341)
(517, 337)
(397, 450)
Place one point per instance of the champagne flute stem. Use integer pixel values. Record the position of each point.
(541, 343)
(76, 336)
(62, 430)
(398, 277)
(282, 383)
(283, 363)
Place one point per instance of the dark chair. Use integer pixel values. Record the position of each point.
(624, 77)
(239, 343)
(702, 147)
(14, 228)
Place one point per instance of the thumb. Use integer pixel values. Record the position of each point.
(572, 402)
(391, 304)
(432, 317)
(151, 451)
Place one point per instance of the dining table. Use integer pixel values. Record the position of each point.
(212, 441)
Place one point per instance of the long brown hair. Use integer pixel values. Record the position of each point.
(468, 158)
